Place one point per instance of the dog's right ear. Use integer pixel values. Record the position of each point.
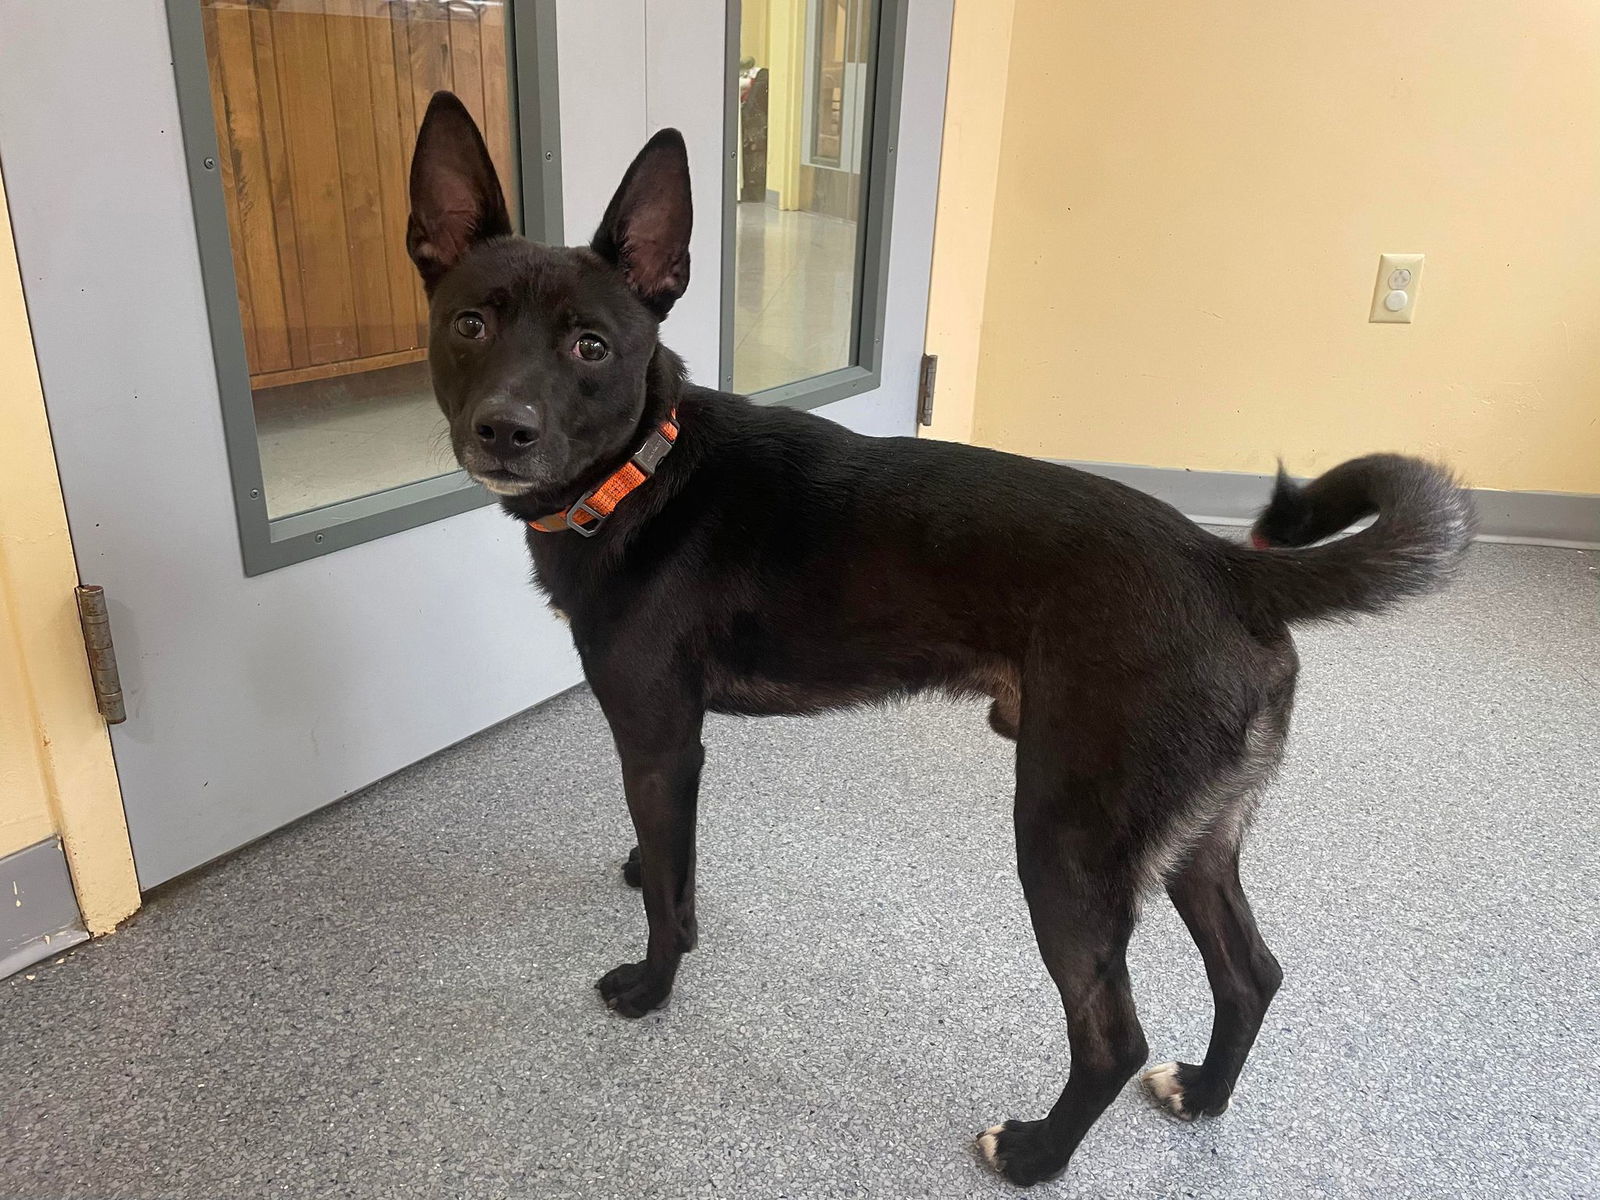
(455, 193)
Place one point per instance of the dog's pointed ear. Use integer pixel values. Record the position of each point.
(645, 231)
(455, 193)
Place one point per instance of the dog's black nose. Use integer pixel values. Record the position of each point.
(504, 428)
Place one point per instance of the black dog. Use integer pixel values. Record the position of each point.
(715, 555)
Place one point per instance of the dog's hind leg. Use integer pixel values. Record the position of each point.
(1082, 897)
(1243, 973)
(1206, 891)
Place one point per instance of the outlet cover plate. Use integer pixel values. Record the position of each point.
(1402, 269)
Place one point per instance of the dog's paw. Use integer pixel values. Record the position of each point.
(1022, 1151)
(632, 872)
(1180, 1089)
(631, 990)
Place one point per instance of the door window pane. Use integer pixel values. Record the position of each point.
(803, 138)
(317, 105)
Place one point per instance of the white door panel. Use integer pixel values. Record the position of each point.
(601, 46)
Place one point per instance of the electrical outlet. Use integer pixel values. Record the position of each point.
(1394, 298)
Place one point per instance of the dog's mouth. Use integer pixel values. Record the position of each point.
(501, 482)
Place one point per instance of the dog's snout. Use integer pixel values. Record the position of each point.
(498, 432)
(505, 428)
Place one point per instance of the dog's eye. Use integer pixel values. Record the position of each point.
(470, 325)
(590, 348)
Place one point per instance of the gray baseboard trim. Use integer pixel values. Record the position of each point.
(1540, 518)
(1234, 497)
(38, 908)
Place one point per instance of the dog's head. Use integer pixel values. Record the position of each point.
(540, 355)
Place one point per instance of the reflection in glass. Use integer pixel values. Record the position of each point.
(803, 134)
(317, 104)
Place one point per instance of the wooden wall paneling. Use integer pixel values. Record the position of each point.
(263, 47)
(428, 26)
(409, 119)
(305, 89)
(350, 366)
(497, 103)
(466, 59)
(247, 184)
(359, 183)
(391, 135)
(317, 107)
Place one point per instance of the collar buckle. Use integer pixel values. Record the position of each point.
(649, 455)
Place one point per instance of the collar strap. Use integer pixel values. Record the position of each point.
(599, 502)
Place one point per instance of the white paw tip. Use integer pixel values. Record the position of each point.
(1163, 1083)
(1163, 1080)
(989, 1145)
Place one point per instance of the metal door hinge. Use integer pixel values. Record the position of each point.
(102, 656)
(925, 378)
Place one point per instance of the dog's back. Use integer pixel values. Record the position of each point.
(818, 567)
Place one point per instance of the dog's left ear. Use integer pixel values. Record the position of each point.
(645, 231)
(455, 193)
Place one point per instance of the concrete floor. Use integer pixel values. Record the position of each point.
(393, 998)
(336, 439)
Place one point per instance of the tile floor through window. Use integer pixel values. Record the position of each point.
(794, 296)
(336, 439)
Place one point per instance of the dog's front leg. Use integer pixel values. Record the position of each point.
(659, 744)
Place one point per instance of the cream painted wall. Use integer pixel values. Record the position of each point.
(25, 816)
(56, 770)
(25, 811)
(1190, 205)
(969, 166)
(753, 31)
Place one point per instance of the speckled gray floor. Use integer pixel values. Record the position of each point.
(393, 998)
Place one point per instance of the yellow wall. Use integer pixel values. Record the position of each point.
(773, 32)
(56, 770)
(1190, 205)
(753, 31)
(969, 165)
(25, 816)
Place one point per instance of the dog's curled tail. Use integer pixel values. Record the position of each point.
(1425, 523)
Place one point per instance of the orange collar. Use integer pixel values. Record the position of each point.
(599, 502)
